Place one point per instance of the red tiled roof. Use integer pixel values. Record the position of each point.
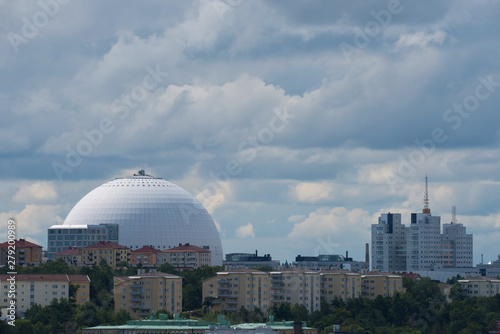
(146, 249)
(187, 248)
(21, 243)
(70, 251)
(79, 278)
(105, 244)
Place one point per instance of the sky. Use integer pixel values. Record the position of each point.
(295, 123)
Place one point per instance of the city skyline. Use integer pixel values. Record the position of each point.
(295, 124)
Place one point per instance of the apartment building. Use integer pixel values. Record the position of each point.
(25, 253)
(105, 250)
(71, 256)
(380, 284)
(480, 286)
(185, 257)
(340, 283)
(146, 256)
(42, 289)
(389, 243)
(456, 246)
(141, 294)
(296, 286)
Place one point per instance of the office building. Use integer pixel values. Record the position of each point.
(141, 294)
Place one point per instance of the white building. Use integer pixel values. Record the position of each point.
(456, 246)
(423, 239)
(389, 243)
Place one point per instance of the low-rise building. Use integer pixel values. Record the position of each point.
(71, 256)
(146, 256)
(105, 250)
(42, 289)
(480, 286)
(380, 284)
(330, 262)
(185, 257)
(248, 260)
(339, 283)
(141, 294)
(25, 252)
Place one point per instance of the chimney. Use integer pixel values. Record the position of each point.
(297, 327)
(367, 253)
(255, 253)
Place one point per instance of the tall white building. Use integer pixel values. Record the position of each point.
(423, 239)
(456, 246)
(389, 243)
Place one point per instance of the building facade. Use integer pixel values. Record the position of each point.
(42, 289)
(330, 262)
(456, 246)
(25, 253)
(480, 286)
(146, 256)
(105, 250)
(341, 284)
(249, 260)
(61, 237)
(232, 289)
(71, 256)
(423, 239)
(186, 257)
(141, 294)
(389, 243)
(381, 284)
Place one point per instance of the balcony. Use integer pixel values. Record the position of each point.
(234, 301)
(136, 293)
(223, 288)
(135, 299)
(277, 286)
(276, 278)
(276, 293)
(276, 300)
(135, 306)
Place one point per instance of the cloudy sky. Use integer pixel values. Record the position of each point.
(296, 123)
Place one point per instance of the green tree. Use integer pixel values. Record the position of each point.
(457, 292)
(23, 326)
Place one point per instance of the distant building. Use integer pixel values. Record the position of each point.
(389, 243)
(25, 253)
(330, 262)
(60, 237)
(423, 238)
(42, 289)
(105, 250)
(381, 284)
(480, 286)
(236, 288)
(185, 257)
(146, 256)
(456, 246)
(141, 294)
(249, 260)
(341, 284)
(71, 256)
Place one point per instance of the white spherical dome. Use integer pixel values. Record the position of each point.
(149, 211)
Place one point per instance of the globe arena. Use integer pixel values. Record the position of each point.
(148, 211)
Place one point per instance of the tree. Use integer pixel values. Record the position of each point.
(457, 292)
(167, 268)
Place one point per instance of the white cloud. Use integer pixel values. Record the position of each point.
(420, 39)
(245, 231)
(40, 191)
(311, 192)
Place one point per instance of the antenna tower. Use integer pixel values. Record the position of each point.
(426, 198)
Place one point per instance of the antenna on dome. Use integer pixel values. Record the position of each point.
(426, 198)
(142, 172)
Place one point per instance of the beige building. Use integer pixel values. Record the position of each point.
(71, 256)
(340, 283)
(296, 286)
(141, 294)
(238, 288)
(105, 250)
(41, 289)
(25, 253)
(146, 256)
(185, 257)
(383, 284)
(480, 286)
